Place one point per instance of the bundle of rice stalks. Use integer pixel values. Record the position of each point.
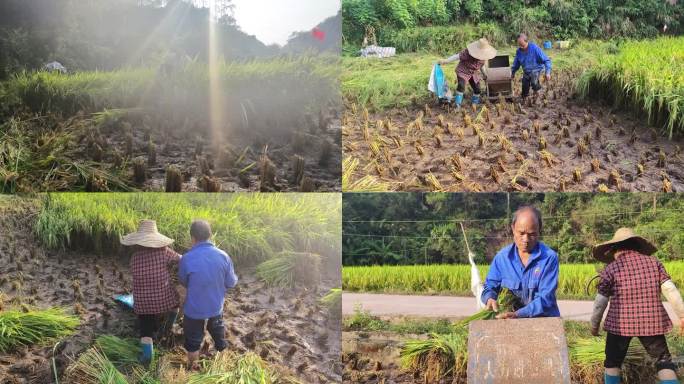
(19, 328)
(506, 301)
(93, 367)
(367, 183)
(587, 355)
(438, 356)
(121, 352)
(289, 268)
(231, 368)
(333, 302)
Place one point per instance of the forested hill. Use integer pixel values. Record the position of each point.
(403, 228)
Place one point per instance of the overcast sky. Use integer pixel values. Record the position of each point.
(272, 21)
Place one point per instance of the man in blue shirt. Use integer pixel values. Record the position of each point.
(528, 268)
(533, 60)
(207, 273)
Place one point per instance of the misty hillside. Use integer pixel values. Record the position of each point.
(330, 41)
(105, 34)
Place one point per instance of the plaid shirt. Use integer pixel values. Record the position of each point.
(153, 290)
(633, 283)
(468, 67)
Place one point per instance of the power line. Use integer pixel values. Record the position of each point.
(493, 237)
(593, 214)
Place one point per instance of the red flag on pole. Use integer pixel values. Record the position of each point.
(318, 34)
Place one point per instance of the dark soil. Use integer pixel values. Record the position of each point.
(616, 141)
(287, 328)
(234, 165)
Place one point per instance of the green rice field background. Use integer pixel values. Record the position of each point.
(455, 279)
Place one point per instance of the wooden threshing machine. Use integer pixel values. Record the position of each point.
(499, 80)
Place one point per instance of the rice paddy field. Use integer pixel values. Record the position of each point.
(400, 350)
(573, 279)
(60, 264)
(258, 125)
(603, 127)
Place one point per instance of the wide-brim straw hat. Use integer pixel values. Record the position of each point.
(481, 49)
(603, 251)
(147, 236)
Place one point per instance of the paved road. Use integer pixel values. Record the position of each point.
(447, 306)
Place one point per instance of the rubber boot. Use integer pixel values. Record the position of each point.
(475, 99)
(147, 350)
(667, 376)
(458, 99)
(610, 379)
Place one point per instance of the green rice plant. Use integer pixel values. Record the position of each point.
(18, 328)
(122, 352)
(93, 367)
(573, 279)
(250, 227)
(231, 368)
(647, 75)
(290, 268)
(438, 356)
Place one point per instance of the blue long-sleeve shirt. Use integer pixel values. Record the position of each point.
(533, 59)
(535, 285)
(207, 273)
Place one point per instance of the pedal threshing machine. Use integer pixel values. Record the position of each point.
(499, 78)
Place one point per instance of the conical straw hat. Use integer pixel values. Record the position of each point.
(147, 236)
(602, 251)
(481, 49)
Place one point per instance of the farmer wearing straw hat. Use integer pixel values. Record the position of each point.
(528, 268)
(470, 62)
(155, 300)
(208, 273)
(633, 281)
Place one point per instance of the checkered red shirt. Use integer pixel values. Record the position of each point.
(633, 283)
(153, 290)
(468, 67)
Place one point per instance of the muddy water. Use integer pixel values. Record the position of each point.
(508, 156)
(285, 327)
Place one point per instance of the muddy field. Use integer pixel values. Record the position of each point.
(373, 358)
(287, 328)
(551, 143)
(302, 159)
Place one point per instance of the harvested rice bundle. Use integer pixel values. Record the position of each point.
(230, 368)
(333, 302)
(437, 356)
(121, 352)
(289, 268)
(93, 367)
(506, 301)
(18, 328)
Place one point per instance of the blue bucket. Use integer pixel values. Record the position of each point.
(547, 45)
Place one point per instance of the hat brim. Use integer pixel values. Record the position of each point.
(601, 252)
(146, 240)
(481, 54)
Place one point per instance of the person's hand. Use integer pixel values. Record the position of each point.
(492, 305)
(441, 62)
(548, 76)
(594, 331)
(507, 315)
